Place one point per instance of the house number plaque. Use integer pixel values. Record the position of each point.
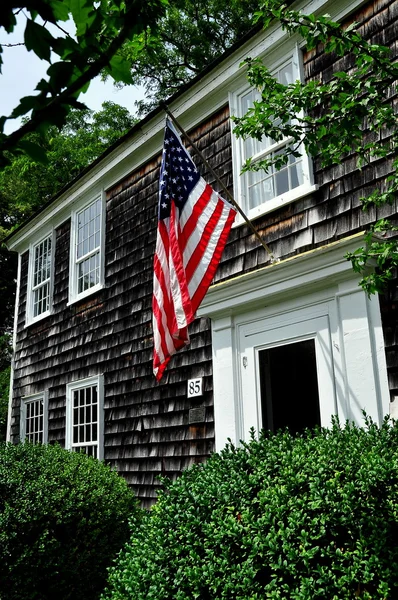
(195, 387)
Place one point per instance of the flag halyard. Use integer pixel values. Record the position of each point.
(193, 227)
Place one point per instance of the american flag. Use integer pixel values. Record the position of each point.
(193, 227)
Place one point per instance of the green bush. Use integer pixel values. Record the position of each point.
(285, 517)
(63, 518)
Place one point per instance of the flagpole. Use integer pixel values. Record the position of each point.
(225, 190)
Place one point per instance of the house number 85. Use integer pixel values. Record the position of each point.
(194, 387)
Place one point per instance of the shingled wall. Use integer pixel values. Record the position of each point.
(147, 424)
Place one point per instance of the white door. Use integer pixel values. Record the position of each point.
(286, 373)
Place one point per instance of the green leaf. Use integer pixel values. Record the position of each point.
(120, 69)
(33, 150)
(60, 74)
(25, 105)
(59, 9)
(38, 39)
(83, 15)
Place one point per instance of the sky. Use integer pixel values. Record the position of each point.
(22, 70)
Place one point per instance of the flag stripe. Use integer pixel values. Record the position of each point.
(200, 291)
(178, 281)
(202, 245)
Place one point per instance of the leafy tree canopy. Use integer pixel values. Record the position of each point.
(188, 37)
(26, 185)
(101, 28)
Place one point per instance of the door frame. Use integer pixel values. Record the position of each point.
(265, 333)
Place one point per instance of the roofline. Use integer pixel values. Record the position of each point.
(136, 127)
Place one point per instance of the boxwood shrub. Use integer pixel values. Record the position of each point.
(63, 518)
(305, 517)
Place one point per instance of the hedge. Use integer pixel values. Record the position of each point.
(63, 518)
(307, 517)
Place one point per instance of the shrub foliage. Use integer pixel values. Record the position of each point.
(63, 518)
(314, 516)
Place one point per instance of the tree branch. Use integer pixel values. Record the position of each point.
(65, 97)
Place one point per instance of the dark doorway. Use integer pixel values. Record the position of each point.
(289, 387)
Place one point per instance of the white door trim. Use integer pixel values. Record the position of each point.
(321, 282)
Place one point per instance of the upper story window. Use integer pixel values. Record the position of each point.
(40, 279)
(86, 250)
(262, 191)
(84, 416)
(33, 421)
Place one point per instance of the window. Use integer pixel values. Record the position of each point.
(33, 422)
(262, 191)
(40, 279)
(84, 416)
(87, 255)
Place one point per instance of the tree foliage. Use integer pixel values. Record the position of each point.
(188, 37)
(346, 115)
(26, 185)
(101, 29)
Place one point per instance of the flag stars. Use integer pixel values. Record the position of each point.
(178, 175)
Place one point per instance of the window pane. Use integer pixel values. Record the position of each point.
(263, 187)
(88, 272)
(34, 420)
(88, 223)
(282, 181)
(285, 74)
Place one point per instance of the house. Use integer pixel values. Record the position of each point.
(286, 343)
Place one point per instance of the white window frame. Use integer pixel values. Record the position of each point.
(81, 384)
(25, 401)
(74, 294)
(240, 179)
(30, 317)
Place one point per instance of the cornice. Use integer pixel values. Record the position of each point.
(314, 269)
